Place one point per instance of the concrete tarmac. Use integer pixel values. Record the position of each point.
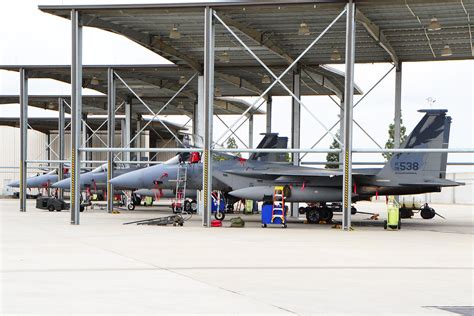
(50, 267)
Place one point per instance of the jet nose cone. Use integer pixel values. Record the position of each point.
(14, 184)
(130, 180)
(63, 184)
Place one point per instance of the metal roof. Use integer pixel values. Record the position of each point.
(97, 104)
(49, 124)
(158, 83)
(387, 30)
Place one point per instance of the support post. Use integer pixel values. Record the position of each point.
(76, 111)
(296, 116)
(296, 126)
(61, 132)
(251, 131)
(208, 113)
(348, 120)
(138, 140)
(198, 123)
(269, 115)
(398, 105)
(127, 128)
(341, 129)
(23, 136)
(84, 130)
(110, 136)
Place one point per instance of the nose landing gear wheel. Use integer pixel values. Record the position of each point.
(219, 216)
(130, 206)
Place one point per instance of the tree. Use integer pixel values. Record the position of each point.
(231, 143)
(333, 157)
(390, 144)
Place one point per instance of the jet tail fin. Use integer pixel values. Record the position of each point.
(431, 132)
(271, 140)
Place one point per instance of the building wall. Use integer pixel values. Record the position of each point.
(10, 154)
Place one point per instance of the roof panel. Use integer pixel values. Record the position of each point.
(403, 23)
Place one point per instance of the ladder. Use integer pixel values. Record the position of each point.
(278, 209)
(180, 188)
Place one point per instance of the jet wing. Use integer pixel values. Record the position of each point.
(429, 182)
(286, 172)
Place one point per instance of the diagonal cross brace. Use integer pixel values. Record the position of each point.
(278, 78)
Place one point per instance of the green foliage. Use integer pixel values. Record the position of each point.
(391, 138)
(333, 157)
(231, 143)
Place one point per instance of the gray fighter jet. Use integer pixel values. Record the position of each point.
(40, 181)
(404, 173)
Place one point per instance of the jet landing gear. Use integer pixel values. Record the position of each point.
(322, 213)
(316, 214)
(427, 212)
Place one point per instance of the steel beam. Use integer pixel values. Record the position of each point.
(296, 115)
(296, 126)
(378, 36)
(84, 132)
(250, 131)
(268, 128)
(23, 136)
(76, 111)
(138, 140)
(398, 105)
(348, 106)
(198, 122)
(341, 129)
(127, 127)
(209, 29)
(111, 85)
(238, 82)
(258, 37)
(61, 128)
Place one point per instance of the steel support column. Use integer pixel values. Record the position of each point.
(348, 120)
(198, 123)
(110, 136)
(84, 130)
(23, 136)
(76, 111)
(208, 113)
(61, 127)
(296, 126)
(127, 128)
(251, 131)
(398, 105)
(269, 115)
(341, 129)
(138, 141)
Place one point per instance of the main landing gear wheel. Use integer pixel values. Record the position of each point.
(219, 216)
(325, 214)
(427, 212)
(312, 216)
(194, 206)
(51, 208)
(187, 206)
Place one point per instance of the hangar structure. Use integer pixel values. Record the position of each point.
(261, 49)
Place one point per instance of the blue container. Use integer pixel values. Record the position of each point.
(267, 216)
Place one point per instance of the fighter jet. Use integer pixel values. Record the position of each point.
(40, 181)
(403, 174)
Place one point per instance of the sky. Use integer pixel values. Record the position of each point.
(30, 36)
